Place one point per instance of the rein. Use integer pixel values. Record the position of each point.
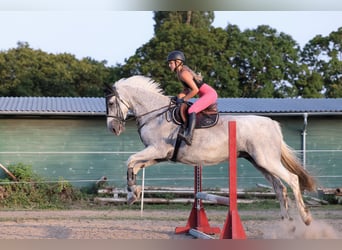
(153, 117)
(119, 117)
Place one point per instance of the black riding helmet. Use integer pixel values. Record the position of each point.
(176, 55)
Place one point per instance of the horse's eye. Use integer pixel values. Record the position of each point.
(110, 103)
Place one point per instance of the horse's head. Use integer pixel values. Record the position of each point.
(138, 94)
(116, 110)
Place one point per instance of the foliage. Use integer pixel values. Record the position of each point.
(323, 58)
(198, 19)
(33, 192)
(261, 62)
(28, 72)
(265, 60)
(203, 46)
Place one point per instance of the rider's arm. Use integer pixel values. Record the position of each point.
(187, 78)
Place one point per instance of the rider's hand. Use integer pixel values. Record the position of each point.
(174, 99)
(179, 101)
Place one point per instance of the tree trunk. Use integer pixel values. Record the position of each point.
(188, 17)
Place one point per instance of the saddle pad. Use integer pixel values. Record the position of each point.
(203, 119)
(206, 120)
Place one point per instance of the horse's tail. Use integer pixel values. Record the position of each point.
(292, 163)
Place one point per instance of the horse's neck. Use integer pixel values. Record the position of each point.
(144, 102)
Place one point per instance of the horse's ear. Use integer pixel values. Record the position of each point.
(107, 89)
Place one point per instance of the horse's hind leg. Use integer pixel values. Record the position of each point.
(303, 210)
(278, 187)
(292, 180)
(280, 191)
(273, 165)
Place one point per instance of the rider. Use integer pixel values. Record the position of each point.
(193, 85)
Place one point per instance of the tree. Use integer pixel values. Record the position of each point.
(333, 69)
(253, 63)
(28, 72)
(259, 62)
(323, 59)
(191, 32)
(266, 61)
(197, 19)
(19, 71)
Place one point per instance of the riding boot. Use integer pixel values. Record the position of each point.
(187, 136)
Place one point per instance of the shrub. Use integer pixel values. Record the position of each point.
(32, 191)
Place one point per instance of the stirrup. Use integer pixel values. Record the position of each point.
(186, 139)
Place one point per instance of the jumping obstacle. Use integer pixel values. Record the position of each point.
(198, 224)
(232, 228)
(200, 235)
(198, 218)
(214, 198)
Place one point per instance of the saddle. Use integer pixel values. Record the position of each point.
(204, 119)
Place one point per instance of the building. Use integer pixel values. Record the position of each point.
(67, 138)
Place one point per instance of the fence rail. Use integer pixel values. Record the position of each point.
(85, 167)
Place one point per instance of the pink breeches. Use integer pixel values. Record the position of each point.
(207, 96)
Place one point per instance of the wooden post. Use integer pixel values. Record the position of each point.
(8, 172)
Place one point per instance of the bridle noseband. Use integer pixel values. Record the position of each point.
(119, 117)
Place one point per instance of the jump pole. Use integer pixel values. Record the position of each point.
(198, 219)
(214, 198)
(232, 228)
(200, 235)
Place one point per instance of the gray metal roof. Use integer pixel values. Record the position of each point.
(52, 105)
(280, 106)
(96, 106)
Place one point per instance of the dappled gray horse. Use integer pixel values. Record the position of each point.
(259, 140)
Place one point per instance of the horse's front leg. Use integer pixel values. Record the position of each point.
(142, 159)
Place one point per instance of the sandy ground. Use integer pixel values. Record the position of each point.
(152, 224)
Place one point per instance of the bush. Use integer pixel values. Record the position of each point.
(31, 191)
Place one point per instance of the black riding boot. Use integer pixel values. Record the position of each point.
(187, 136)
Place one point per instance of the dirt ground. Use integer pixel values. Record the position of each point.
(153, 224)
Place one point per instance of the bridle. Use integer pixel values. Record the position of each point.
(120, 117)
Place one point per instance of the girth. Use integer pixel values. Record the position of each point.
(205, 119)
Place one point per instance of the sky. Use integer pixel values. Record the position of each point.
(114, 36)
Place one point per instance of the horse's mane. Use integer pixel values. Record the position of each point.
(140, 81)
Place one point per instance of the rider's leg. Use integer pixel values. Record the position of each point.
(207, 96)
(187, 136)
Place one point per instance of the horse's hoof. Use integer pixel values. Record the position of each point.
(131, 198)
(137, 191)
(307, 217)
(133, 195)
(308, 221)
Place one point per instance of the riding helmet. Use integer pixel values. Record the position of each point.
(176, 55)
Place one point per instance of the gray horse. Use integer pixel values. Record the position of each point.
(259, 140)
